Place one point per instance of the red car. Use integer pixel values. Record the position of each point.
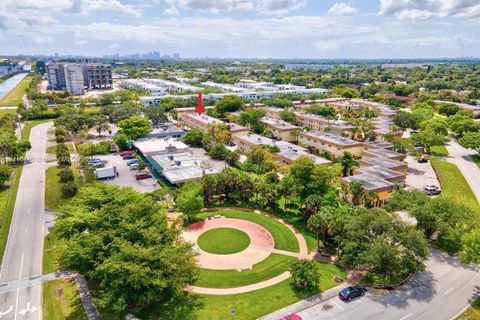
(293, 316)
(125, 153)
(142, 175)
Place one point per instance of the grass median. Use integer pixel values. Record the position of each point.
(14, 97)
(62, 301)
(453, 183)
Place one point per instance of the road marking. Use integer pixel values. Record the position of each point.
(26, 229)
(16, 305)
(5, 312)
(449, 290)
(407, 316)
(21, 267)
(18, 290)
(28, 309)
(28, 212)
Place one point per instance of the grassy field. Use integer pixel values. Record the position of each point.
(284, 238)
(52, 249)
(232, 241)
(453, 183)
(248, 306)
(14, 97)
(476, 159)
(53, 149)
(61, 301)
(271, 267)
(439, 151)
(472, 313)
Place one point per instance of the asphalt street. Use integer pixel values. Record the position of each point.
(441, 292)
(23, 255)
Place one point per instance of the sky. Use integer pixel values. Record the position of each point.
(317, 29)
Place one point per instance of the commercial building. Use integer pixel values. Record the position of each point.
(334, 144)
(143, 86)
(178, 168)
(281, 129)
(164, 131)
(287, 154)
(154, 147)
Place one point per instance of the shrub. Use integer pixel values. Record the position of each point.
(66, 175)
(69, 189)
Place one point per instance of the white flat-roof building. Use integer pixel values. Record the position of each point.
(281, 129)
(159, 146)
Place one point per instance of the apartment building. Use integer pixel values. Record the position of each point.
(394, 165)
(281, 129)
(383, 153)
(335, 144)
(202, 122)
(74, 78)
(383, 173)
(316, 122)
(97, 76)
(288, 152)
(382, 189)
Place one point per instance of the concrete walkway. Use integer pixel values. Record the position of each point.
(461, 157)
(303, 254)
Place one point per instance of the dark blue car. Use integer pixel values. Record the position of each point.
(350, 293)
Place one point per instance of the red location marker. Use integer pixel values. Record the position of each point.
(200, 108)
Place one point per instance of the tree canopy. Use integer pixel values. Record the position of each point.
(135, 127)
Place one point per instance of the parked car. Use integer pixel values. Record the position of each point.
(128, 157)
(130, 162)
(350, 293)
(95, 163)
(133, 166)
(432, 190)
(422, 160)
(292, 316)
(125, 153)
(142, 175)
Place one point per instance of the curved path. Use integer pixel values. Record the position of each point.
(266, 249)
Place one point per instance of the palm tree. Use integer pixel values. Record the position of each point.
(347, 161)
(356, 192)
(101, 124)
(320, 223)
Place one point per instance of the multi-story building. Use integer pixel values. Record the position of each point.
(97, 76)
(334, 144)
(316, 122)
(202, 122)
(288, 152)
(394, 165)
(380, 189)
(281, 129)
(74, 78)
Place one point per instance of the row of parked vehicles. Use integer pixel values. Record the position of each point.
(133, 163)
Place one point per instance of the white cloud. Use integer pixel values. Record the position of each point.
(171, 11)
(279, 7)
(424, 9)
(216, 6)
(341, 9)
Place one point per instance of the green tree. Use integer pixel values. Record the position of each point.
(251, 119)
(348, 162)
(5, 173)
(429, 138)
(190, 199)
(288, 115)
(320, 223)
(101, 124)
(471, 247)
(66, 175)
(133, 257)
(406, 120)
(471, 141)
(228, 104)
(193, 137)
(135, 127)
(305, 274)
(69, 189)
(448, 109)
(322, 110)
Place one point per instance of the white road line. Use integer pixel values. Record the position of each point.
(407, 316)
(26, 229)
(449, 290)
(16, 305)
(21, 267)
(28, 211)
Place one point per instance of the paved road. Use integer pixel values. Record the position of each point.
(441, 293)
(461, 157)
(23, 255)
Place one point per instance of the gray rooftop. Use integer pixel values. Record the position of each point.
(381, 172)
(369, 182)
(278, 124)
(379, 144)
(383, 162)
(332, 138)
(386, 153)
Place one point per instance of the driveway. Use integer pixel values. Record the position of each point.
(461, 157)
(126, 176)
(440, 292)
(420, 174)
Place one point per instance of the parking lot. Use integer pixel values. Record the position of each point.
(420, 174)
(126, 176)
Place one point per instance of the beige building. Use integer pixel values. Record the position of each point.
(288, 152)
(380, 189)
(316, 122)
(398, 166)
(336, 145)
(281, 129)
(385, 153)
(193, 120)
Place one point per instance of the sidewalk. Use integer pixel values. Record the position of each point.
(305, 304)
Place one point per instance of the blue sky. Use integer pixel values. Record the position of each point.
(244, 28)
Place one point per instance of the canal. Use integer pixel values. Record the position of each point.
(10, 83)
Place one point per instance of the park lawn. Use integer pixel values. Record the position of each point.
(62, 301)
(283, 237)
(53, 149)
(223, 241)
(248, 306)
(439, 151)
(453, 183)
(14, 97)
(269, 268)
(476, 159)
(472, 313)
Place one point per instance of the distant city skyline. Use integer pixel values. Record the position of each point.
(321, 29)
